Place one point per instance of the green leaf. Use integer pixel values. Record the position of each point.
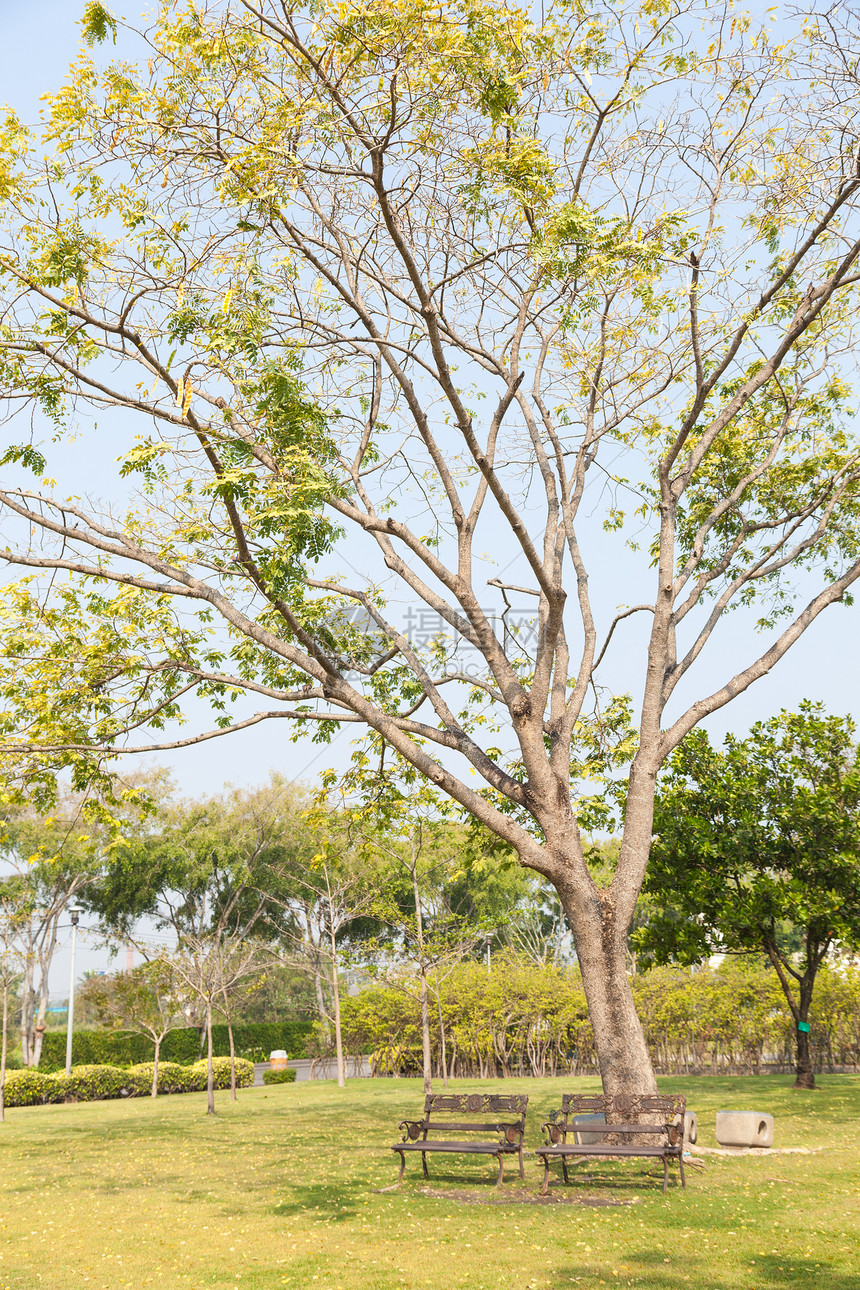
(96, 23)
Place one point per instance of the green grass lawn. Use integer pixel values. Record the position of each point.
(282, 1189)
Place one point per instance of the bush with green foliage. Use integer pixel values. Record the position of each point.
(172, 1078)
(279, 1077)
(94, 1083)
(221, 1071)
(29, 1088)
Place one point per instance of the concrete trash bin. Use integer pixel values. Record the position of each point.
(744, 1129)
(278, 1060)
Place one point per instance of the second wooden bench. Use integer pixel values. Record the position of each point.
(658, 1119)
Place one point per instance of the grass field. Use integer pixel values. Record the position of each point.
(283, 1190)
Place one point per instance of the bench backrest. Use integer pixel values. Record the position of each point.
(648, 1108)
(476, 1112)
(625, 1106)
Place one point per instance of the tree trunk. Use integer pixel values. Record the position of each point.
(39, 1034)
(155, 1067)
(442, 1040)
(622, 1054)
(210, 1074)
(426, 1061)
(46, 957)
(805, 1075)
(232, 1060)
(805, 1072)
(426, 1051)
(232, 1047)
(3, 1050)
(28, 1011)
(322, 1008)
(338, 1036)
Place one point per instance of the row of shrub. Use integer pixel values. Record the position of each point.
(94, 1083)
(279, 1077)
(527, 1019)
(253, 1042)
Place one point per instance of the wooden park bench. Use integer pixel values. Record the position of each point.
(491, 1130)
(656, 1117)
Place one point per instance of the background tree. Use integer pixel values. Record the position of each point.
(283, 994)
(14, 902)
(211, 966)
(49, 862)
(395, 815)
(756, 841)
(313, 901)
(413, 276)
(188, 873)
(149, 999)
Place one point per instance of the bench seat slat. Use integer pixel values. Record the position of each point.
(606, 1149)
(466, 1148)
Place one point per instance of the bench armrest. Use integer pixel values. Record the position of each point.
(510, 1135)
(553, 1133)
(412, 1129)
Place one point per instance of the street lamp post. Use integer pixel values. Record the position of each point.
(74, 914)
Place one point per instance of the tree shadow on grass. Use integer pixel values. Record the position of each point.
(641, 1183)
(651, 1270)
(330, 1202)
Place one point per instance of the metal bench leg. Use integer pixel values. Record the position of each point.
(681, 1163)
(522, 1174)
(402, 1155)
(545, 1188)
(424, 1163)
(665, 1173)
(501, 1160)
(564, 1168)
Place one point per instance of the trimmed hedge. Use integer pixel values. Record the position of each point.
(221, 1072)
(172, 1078)
(96, 1083)
(279, 1077)
(129, 1048)
(29, 1088)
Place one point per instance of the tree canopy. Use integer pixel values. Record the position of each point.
(759, 843)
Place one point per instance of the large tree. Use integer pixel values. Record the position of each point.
(757, 851)
(451, 283)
